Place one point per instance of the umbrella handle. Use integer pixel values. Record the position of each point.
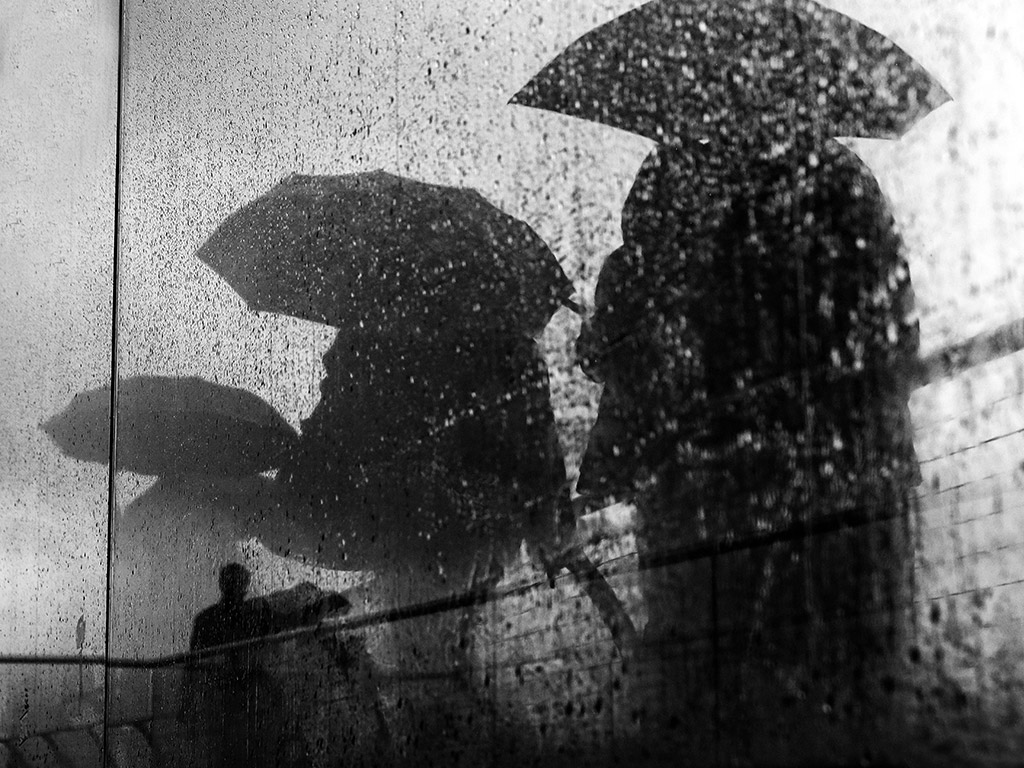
(601, 594)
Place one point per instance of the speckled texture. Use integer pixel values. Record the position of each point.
(222, 101)
(58, 79)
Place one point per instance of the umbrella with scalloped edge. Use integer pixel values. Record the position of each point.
(713, 71)
(381, 253)
(175, 425)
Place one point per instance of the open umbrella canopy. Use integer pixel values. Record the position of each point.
(305, 603)
(719, 71)
(378, 252)
(173, 426)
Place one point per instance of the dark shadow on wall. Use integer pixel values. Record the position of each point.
(756, 338)
(754, 334)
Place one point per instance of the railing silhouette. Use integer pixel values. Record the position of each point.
(145, 724)
(57, 742)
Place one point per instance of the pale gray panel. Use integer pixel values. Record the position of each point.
(58, 98)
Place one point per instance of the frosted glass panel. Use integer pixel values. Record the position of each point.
(58, 108)
(500, 384)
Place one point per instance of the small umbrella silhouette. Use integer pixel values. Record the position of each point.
(305, 603)
(383, 253)
(708, 70)
(172, 426)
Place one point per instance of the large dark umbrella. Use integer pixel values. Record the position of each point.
(379, 252)
(709, 70)
(173, 426)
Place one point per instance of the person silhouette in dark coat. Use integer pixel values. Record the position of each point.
(228, 693)
(234, 618)
(755, 336)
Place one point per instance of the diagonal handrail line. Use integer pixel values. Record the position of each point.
(852, 519)
(799, 529)
(376, 618)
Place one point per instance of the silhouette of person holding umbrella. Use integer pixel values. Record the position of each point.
(432, 452)
(755, 331)
(803, 413)
(207, 445)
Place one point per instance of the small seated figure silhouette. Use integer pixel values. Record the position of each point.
(228, 695)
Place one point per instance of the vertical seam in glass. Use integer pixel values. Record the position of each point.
(112, 466)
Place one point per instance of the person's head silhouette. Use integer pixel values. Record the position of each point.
(234, 583)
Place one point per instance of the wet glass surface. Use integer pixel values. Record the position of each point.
(427, 455)
(58, 84)
(497, 385)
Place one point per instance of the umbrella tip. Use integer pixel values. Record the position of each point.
(927, 103)
(926, 94)
(52, 429)
(522, 96)
(51, 424)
